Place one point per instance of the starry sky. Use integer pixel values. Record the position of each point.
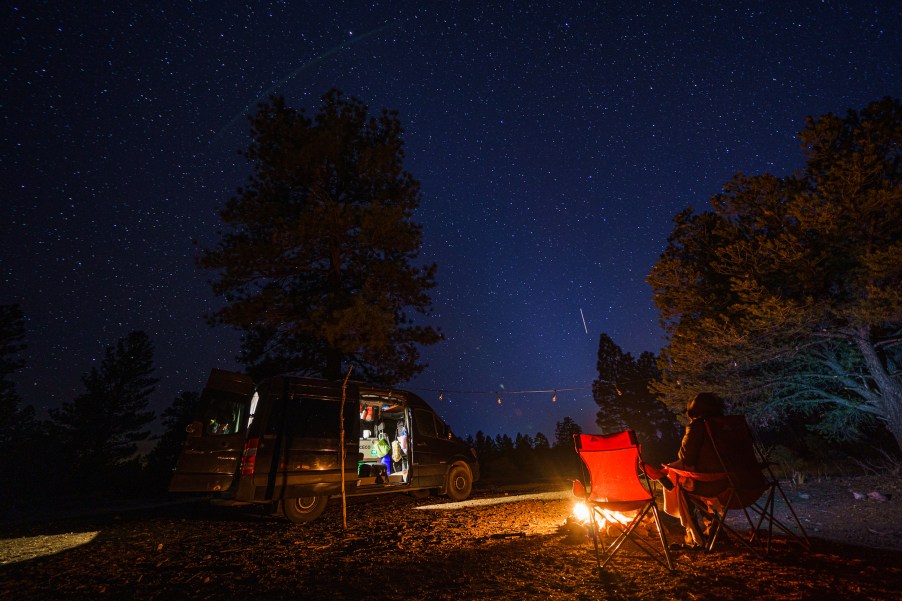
(554, 142)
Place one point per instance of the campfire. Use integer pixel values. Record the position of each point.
(609, 522)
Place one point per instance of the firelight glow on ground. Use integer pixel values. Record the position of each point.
(545, 496)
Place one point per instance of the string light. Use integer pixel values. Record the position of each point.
(553, 391)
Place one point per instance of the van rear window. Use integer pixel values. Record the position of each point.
(223, 416)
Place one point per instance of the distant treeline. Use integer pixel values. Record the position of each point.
(525, 458)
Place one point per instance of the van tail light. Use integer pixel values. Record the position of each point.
(249, 456)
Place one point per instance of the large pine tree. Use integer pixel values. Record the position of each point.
(787, 295)
(318, 269)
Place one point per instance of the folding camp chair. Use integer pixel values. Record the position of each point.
(745, 479)
(612, 462)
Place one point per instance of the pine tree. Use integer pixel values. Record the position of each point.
(622, 393)
(175, 419)
(541, 442)
(12, 337)
(564, 431)
(791, 285)
(100, 429)
(318, 269)
(23, 440)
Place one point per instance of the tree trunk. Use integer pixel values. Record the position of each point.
(890, 388)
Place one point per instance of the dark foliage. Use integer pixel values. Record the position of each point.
(162, 458)
(318, 266)
(625, 401)
(23, 439)
(524, 458)
(12, 343)
(98, 432)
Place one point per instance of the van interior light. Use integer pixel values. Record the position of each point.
(253, 410)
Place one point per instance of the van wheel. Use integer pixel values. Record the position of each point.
(460, 483)
(301, 510)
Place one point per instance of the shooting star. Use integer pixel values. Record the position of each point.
(584, 320)
(290, 76)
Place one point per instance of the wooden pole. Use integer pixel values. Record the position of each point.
(341, 445)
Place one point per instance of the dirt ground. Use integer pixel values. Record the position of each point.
(507, 543)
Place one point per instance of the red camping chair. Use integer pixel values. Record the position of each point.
(612, 462)
(745, 478)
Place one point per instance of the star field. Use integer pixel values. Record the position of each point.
(554, 143)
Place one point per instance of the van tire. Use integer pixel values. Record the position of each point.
(301, 510)
(460, 483)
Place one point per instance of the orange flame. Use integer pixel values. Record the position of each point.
(603, 517)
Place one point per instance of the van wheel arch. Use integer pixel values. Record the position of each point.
(459, 483)
(301, 510)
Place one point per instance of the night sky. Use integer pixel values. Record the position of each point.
(554, 142)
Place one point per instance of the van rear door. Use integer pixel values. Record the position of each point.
(215, 441)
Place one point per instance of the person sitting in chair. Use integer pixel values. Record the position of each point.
(696, 455)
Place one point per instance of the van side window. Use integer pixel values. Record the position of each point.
(313, 418)
(426, 423)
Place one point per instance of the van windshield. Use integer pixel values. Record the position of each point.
(223, 416)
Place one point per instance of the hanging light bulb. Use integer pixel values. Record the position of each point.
(499, 398)
(441, 395)
(618, 390)
(554, 397)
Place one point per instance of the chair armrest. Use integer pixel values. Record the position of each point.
(700, 476)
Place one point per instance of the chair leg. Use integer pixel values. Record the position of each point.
(595, 537)
(662, 536)
(804, 538)
(629, 530)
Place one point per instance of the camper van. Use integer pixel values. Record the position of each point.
(279, 444)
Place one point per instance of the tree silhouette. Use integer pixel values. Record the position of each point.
(12, 343)
(175, 419)
(540, 442)
(564, 431)
(317, 270)
(100, 429)
(23, 440)
(625, 401)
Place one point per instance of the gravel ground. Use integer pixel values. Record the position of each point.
(505, 543)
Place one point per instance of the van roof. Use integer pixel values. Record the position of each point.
(374, 391)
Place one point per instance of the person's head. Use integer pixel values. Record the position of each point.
(705, 404)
